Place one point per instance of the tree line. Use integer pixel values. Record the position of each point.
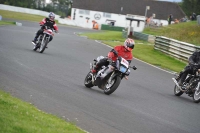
(63, 8)
(60, 7)
(190, 6)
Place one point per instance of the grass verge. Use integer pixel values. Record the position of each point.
(143, 50)
(21, 16)
(17, 116)
(186, 32)
(6, 23)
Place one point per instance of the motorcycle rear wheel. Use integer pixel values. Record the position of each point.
(88, 80)
(110, 88)
(177, 91)
(196, 95)
(35, 47)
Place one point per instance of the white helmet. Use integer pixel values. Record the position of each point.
(51, 16)
(129, 44)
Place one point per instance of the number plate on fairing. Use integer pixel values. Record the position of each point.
(124, 62)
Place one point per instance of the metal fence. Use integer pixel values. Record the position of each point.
(141, 36)
(172, 47)
(198, 19)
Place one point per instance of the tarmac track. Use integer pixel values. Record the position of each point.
(53, 81)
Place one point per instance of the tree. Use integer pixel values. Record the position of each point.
(190, 6)
(60, 7)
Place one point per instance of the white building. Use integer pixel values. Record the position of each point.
(104, 12)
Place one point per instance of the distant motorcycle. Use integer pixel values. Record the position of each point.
(43, 39)
(191, 86)
(108, 77)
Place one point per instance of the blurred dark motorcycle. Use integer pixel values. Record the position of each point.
(190, 86)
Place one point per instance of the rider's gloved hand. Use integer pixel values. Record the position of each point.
(109, 60)
(194, 66)
(115, 52)
(43, 26)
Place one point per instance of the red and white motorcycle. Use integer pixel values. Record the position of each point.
(43, 39)
(108, 78)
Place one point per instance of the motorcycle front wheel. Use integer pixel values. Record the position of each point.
(43, 45)
(112, 86)
(88, 80)
(196, 95)
(177, 91)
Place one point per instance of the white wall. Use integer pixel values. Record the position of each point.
(36, 12)
(81, 21)
(121, 21)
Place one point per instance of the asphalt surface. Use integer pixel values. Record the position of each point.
(53, 82)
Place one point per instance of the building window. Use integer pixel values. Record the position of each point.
(81, 11)
(85, 12)
(107, 15)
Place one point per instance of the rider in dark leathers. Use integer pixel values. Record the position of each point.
(193, 64)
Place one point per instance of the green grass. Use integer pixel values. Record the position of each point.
(17, 116)
(187, 32)
(148, 54)
(143, 50)
(108, 35)
(21, 16)
(6, 23)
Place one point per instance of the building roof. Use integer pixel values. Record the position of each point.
(161, 9)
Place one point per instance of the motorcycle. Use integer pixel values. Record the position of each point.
(108, 77)
(190, 86)
(43, 39)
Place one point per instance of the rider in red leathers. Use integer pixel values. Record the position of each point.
(122, 51)
(49, 22)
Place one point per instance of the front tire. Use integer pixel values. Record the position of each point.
(88, 80)
(177, 91)
(43, 46)
(196, 95)
(110, 88)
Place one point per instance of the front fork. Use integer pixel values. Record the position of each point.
(110, 79)
(43, 38)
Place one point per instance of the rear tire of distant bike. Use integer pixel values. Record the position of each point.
(111, 87)
(88, 80)
(43, 46)
(196, 95)
(35, 47)
(177, 91)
